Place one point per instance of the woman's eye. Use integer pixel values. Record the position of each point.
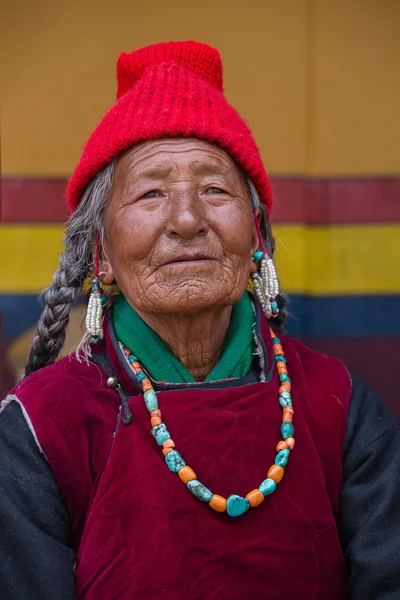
(216, 190)
(150, 194)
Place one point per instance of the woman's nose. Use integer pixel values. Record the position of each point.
(186, 215)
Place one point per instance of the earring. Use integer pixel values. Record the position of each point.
(94, 314)
(266, 285)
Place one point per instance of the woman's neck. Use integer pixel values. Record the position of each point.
(196, 339)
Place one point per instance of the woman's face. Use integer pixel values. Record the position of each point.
(179, 232)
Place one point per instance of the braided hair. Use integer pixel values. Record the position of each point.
(85, 228)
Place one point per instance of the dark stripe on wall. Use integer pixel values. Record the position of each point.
(322, 317)
(297, 200)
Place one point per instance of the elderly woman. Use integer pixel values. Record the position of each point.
(160, 460)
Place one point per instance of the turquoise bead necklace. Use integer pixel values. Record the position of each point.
(234, 505)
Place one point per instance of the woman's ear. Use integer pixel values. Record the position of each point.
(254, 246)
(106, 272)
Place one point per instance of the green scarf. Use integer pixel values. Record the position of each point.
(162, 364)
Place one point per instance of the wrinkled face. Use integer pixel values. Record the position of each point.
(179, 233)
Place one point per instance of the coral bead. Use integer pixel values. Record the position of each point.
(146, 385)
(166, 450)
(287, 416)
(276, 473)
(155, 421)
(285, 387)
(255, 497)
(218, 503)
(186, 474)
(282, 446)
(169, 444)
(278, 350)
(136, 366)
(290, 442)
(156, 413)
(281, 369)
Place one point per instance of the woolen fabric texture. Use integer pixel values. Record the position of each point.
(140, 533)
(169, 89)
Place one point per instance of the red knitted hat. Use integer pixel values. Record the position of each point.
(169, 89)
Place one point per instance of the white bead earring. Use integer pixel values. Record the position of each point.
(94, 313)
(266, 285)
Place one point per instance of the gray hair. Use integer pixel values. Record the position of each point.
(84, 230)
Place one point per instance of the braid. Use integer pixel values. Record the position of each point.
(84, 226)
(59, 300)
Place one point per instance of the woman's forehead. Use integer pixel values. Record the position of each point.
(155, 158)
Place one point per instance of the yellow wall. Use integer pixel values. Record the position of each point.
(318, 80)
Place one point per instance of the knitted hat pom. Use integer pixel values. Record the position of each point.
(169, 89)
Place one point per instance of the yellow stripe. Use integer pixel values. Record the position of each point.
(29, 256)
(357, 259)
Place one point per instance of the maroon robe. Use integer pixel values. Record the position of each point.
(140, 534)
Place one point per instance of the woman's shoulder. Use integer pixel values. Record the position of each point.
(66, 381)
(316, 364)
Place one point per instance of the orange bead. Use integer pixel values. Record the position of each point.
(282, 446)
(287, 416)
(186, 474)
(146, 385)
(169, 444)
(127, 352)
(218, 503)
(156, 413)
(255, 497)
(285, 387)
(281, 369)
(290, 443)
(166, 450)
(136, 366)
(155, 421)
(276, 473)
(278, 350)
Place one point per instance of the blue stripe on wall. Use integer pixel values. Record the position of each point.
(331, 316)
(344, 316)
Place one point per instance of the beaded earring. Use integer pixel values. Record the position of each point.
(94, 314)
(266, 285)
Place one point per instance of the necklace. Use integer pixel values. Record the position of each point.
(234, 505)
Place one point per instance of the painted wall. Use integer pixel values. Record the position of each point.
(317, 80)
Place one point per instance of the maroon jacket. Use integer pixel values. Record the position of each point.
(140, 534)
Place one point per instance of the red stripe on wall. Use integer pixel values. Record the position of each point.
(339, 201)
(297, 200)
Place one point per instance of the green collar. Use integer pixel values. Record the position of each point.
(162, 364)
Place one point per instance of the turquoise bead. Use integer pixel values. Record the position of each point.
(150, 399)
(283, 377)
(103, 299)
(236, 505)
(274, 306)
(280, 359)
(141, 376)
(95, 340)
(287, 430)
(174, 461)
(161, 433)
(282, 458)
(276, 340)
(285, 399)
(267, 487)
(199, 490)
(258, 255)
(131, 358)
